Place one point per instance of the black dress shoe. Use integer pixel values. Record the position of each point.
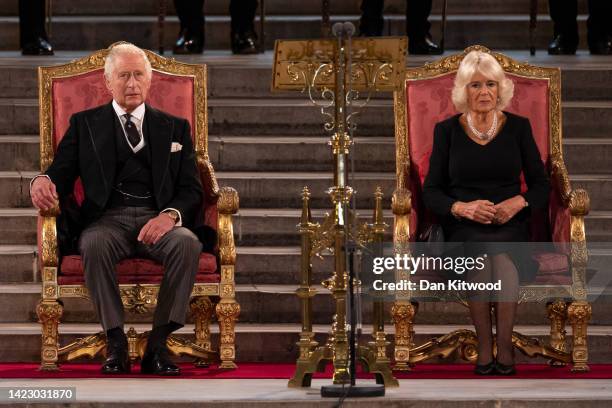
(485, 369)
(603, 47)
(117, 361)
(189, 44)
(424, 46)
(503, 369)
(158, 363)
(244, 43)
(562, 45)
(40, 46)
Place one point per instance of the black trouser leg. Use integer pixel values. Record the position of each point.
(243, 14)
(31, 21)
(599, 24)
(191, 16)
(564, 13)
(372, 22)
(417, 15)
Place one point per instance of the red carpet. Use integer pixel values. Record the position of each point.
(285, 371)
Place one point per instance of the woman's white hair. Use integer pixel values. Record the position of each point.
(123, 49)
(487, 65)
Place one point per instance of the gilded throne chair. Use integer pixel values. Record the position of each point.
(560, 282)
(179, 89)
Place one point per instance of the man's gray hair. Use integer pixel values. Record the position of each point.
(123, 49)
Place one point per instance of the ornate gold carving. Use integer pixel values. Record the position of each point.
(227, 205)
(50, 291)
(137, 299)
(89, 346)
(463, 340)
(533, 347)
(207, 289)
(49, 275)
(73, 291)
(228, 201)
(557, 314)
(227, 314)
(207, 172)
(202, 309)
(378, 62)
(579, 314)
(49, 313)
(402, 314)
(49, 243)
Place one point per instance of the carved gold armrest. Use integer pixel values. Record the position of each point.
(576, 200)
(401, 205)
(48, 237)
(227, 205)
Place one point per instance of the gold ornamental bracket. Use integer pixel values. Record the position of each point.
(376, 64)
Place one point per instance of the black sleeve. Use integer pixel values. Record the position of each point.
(188, 191)
(437, 179)
(538, 184)
(64, 169)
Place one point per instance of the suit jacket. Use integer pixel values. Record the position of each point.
(88, 151)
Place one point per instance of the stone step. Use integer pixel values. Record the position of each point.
(251, 117)
(584, 77)
(306, 153)
(508, 31)
(272, 342)
(276, 303)
(272, 189)
(213, 7)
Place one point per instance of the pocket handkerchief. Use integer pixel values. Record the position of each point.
(176, 147)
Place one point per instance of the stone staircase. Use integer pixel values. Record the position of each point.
(268, 146)
(91, 25)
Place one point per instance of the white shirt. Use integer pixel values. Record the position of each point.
(137, 117)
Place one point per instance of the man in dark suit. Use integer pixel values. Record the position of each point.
(191, 36)
(142, 197)
(417, 24)
(32, 34)
(599, 27)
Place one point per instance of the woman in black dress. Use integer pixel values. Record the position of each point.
(474, 188)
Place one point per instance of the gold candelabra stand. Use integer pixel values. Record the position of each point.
(334, 73)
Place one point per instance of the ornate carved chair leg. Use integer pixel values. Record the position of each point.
(557, 313)
(49, 314)
(227, 314)
(202, 309)
(579, 314)
(403, 317)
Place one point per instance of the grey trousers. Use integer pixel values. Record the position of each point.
(112, 238)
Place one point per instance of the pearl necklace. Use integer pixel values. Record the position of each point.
(483, 135)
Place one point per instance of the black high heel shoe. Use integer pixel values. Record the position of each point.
(485, 369)
(503, 369)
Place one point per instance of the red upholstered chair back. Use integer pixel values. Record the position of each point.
(176, 88)
(428, 101)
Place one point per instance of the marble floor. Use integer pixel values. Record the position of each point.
(500, 392)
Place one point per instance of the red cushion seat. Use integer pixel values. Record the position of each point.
(136, 270)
